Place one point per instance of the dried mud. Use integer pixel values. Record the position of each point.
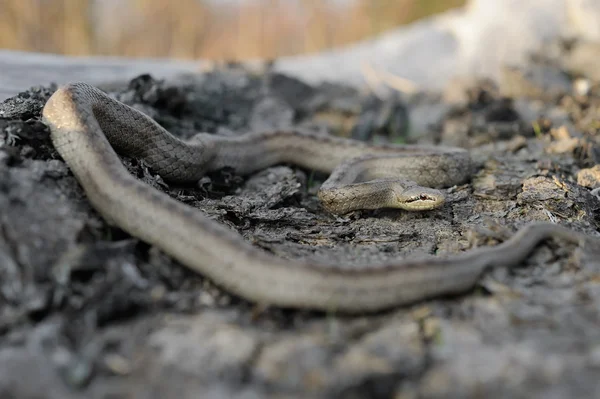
(88, 311)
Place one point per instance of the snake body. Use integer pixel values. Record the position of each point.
(88, 128)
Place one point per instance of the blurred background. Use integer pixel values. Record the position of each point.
(207, 29)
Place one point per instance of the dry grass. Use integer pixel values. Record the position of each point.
(198, 29)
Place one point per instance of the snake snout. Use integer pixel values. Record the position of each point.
(420, 199)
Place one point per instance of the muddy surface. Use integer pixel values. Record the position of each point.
(88, 311)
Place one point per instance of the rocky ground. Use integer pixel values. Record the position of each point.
(88, 311)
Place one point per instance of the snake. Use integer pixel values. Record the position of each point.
(90, 129)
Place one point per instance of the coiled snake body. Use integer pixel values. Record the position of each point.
(87, 127)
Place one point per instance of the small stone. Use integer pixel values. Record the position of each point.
(589, 177)
(117, 364)
(582, 86)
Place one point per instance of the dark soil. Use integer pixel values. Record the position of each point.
(88, 311)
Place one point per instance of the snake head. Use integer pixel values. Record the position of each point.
(418, 198)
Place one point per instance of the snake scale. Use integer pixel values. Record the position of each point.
(88, 129)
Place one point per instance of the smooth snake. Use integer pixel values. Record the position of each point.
(88, 129)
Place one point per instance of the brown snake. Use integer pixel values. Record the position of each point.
(87, 127)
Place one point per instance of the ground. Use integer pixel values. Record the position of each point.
(88, 311)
